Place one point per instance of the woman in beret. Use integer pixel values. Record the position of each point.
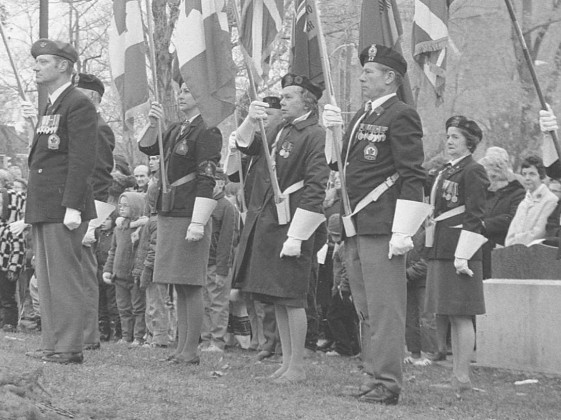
(454, 279)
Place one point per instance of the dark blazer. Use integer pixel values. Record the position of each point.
(370, 163)
(102, 179)
(201, 155)
(60, 177)
(500, 209)
(466, 181)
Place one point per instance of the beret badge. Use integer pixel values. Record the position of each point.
(372, 52)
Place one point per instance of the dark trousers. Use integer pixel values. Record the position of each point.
(8, 304)
(343, 323)
(272, 339)
(420, 326)
(312, 316)
(131, 301)
(108, 311)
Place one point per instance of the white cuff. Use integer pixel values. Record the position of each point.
(202, 210)
(245, 133)
(409, 215)
(232, 162)
(549, 152)
(304, 224)
(468, 244)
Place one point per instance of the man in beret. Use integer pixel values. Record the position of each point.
(101, 181)
(60, 200)
(382, 151)
(275, 255)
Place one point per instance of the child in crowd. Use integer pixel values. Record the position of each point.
(157, 319)
(109, 321)
(12, 256)
(118, 270)
(341, 315)
(420, 327)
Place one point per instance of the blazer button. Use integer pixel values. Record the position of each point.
(39, 170)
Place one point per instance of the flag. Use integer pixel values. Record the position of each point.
(380, 23)
(305, 59)
(261, 21)
(430, 36)
(204, 53)
(127, 58)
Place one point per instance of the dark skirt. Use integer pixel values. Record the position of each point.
(177, 260)
(290, 302)
(451, 294)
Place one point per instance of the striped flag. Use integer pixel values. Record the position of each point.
(380, 23)
(127, 58)
(430, 36)
(204, 52)
(305, 59)
(261, 21)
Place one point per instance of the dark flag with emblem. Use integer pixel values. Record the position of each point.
(127, 57)
(430, 37)
(380, 24)
(305, 59)
(204, 53)
(261, 21)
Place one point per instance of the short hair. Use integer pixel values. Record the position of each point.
(69, 67)
(497, 158)
(535, 161)
(310, 100)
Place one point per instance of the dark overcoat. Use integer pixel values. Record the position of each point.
(465, 183)
(196, 150)
(258, 266)
(371, 160)
(500, 210)
(102, 179)
(59, 176)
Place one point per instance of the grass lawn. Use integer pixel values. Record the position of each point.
(121, 383)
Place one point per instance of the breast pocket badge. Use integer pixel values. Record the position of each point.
(286, 149)
(53, 142)
(370, 152)
(182, 148)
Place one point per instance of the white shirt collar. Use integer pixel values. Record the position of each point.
(380, 101)
(301, 117)
(456, 161)
(54, 96)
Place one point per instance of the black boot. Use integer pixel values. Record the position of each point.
(104, 330)
(115, 327)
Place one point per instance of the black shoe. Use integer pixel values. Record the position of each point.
(64, 358)
(380, 395)
(194, 361)
(438, 357)
(95, 346)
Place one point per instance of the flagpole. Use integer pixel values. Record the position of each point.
(253, 96)
(21, 91)
(164, 175)
(530, 64)
(333, 134)
(239, 163)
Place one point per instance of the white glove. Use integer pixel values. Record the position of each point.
(119, 221)
(195, 232)
(107, 278)
(156, 113)
(17, 227)
(331, 116)
(89, 237)
(548, 121)
(461, 265)
(232, 145)
(257, 111)
(72, 218)
(400, 244)
(291, 248)
(28, 110)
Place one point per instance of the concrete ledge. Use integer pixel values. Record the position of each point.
(522, 327)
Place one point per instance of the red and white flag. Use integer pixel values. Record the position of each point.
(127, 58)
(305, 58)
(430, 37)
(204, 52)
(261, 21)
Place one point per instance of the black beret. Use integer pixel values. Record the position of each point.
(290, 79)
(376, 53)
(273, 101)
(462, 122)
(58, 48)
(90, 82)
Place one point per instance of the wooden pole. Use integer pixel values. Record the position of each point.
(164, 175)
(530, 64)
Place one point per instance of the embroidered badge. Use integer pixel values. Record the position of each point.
(182, 148)
(53, 142)
(286, 149)
(370, 152)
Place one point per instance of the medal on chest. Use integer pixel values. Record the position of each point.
(450, 192)
(286, 149)
(372, 133)
(48, 124)
(182, 148)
